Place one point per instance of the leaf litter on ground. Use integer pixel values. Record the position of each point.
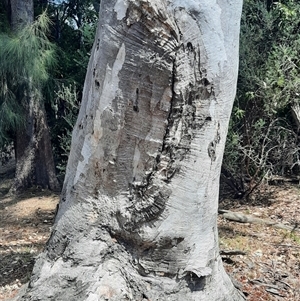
(264, 262)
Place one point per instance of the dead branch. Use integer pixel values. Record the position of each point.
(232, 252)
(245, 218)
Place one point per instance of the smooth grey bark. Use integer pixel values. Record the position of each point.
(33, 150)
(137, 218)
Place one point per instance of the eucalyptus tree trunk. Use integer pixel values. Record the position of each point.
(33, 150)
(137, 218)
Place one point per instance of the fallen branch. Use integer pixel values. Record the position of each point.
(276, 180)
(232, 252)
(245, 218)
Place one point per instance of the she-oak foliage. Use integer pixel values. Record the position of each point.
(25, 59)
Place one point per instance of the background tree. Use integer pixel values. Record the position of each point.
(24, 61)
(61, 90)
(137, 217)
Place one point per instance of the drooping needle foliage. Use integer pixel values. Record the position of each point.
(26, 57)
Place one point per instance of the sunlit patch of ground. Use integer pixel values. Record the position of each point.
(24, 229)
(270, 270)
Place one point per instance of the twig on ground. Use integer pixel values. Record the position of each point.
(232, 252)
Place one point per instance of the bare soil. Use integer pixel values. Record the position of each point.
(269, 270)
(25, 224)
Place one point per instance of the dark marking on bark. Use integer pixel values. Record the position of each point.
(56, 245)
(212, 150)
(205, 82)
(136, 101)
(213, 145)
(97, 170)
(97, 83)
(147, 204)
(190, 47)
(56, 211)
(194, 282)
(151, 211)
(80, 289)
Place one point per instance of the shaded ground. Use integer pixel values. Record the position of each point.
(25, 224)
(270, 270)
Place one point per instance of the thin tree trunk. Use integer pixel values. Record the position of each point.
(34, 158)
(138, 213)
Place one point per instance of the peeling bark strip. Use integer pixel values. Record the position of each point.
(137, 217)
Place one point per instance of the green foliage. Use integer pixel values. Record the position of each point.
(73, 31)
(66, 107)
(27, 63)
(25, 58)
(263, 138)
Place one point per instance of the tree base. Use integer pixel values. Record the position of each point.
(105, 270)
